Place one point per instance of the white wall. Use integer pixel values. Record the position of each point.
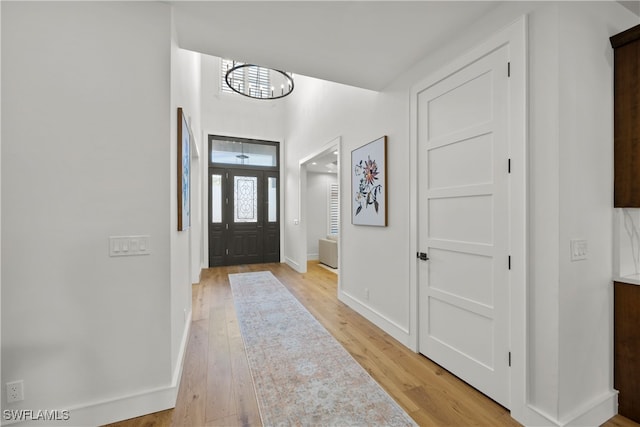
(586, 194)
(317, 209)
(570, 196)
(544, 334)
(0, 175)
(317, 112)
(570, 187)
(88, 148)
(185, 245)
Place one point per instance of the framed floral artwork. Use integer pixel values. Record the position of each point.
(369, 184)
(184, 172)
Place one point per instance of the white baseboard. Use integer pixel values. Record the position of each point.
(531, 416)
(313, 257)
(291, 263)
(109, 411)
(125, 407)
(396, 331)
(182, 351)
(594, 413)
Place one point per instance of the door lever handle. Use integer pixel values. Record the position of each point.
(422, 255)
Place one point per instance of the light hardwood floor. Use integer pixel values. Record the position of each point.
(216, 387)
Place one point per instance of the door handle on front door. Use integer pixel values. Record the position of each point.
(422, 255)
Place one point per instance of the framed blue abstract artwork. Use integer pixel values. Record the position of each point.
(184, 172)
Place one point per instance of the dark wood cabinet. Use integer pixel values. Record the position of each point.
(627, 349)
(626, 47)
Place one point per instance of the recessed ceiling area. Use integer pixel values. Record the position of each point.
(324, 163)
(365, 44)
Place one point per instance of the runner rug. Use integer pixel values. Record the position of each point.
(302, 375)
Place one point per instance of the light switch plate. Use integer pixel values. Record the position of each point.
(129, 245)
(579, 249)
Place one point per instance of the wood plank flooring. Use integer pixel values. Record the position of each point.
(217, 390)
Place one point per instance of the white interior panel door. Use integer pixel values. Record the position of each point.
(463, 224)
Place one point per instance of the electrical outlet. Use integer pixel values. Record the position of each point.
(15, 391)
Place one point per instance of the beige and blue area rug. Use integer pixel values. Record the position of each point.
(302, 375)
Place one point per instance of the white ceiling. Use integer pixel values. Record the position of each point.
(633, 5)
(360, 43)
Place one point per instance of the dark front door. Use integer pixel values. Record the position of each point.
(243, 216)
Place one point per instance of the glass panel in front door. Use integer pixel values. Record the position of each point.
(272, 199)
(245, 190)
(216, 199)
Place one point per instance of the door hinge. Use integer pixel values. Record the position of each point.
(226, 251)
(227, 174)
(509, 359)
(227, 200)
(509, 166)
(509, 262)
(508, 69)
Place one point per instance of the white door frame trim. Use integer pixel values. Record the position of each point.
(332, 145)
(515, 35)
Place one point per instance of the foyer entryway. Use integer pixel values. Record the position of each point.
(244, 218)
